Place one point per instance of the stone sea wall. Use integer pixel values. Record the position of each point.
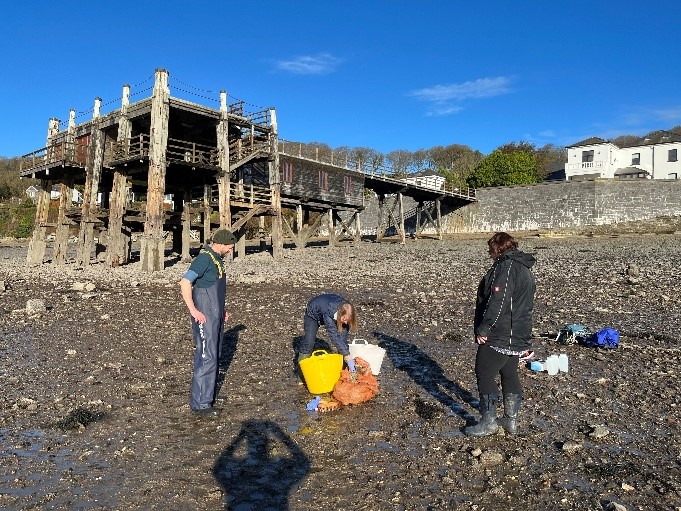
(558, 205)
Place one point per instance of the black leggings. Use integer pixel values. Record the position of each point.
(488, 363)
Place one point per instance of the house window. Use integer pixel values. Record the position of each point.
(672, 155)
(672, 175)
(323, 180)
(636, 159)
(287, 173)
(347, 184)
(587, 156)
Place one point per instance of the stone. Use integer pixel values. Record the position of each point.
(35, 306)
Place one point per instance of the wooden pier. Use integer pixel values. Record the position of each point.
(222, 167)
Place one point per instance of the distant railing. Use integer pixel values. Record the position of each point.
(377, 171)
(62, 152)
(260, 118)
(243, 147)
(585, 165)
(192, 153)
(244, 193)
(132, 148)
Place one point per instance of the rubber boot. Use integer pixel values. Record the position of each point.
(487, 425)
(510, 419)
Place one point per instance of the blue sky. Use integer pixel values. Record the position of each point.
(382, 74)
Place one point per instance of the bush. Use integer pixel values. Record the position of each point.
(16, 220)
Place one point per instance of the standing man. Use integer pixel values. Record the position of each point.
(204, 288)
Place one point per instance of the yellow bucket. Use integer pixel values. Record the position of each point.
(321, 371)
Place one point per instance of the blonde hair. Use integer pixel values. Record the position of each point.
(349, 310)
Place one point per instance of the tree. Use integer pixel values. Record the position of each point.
(626, 140)
(549, 159)
(503, 169)
(5, 191)
(361, 157)
(420, 160)
(514, 147)
(455, 162)
(9, 174)
(399, 161)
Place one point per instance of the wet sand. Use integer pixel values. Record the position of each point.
(95, 387)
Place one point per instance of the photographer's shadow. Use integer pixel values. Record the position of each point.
(261, 468)
(428, 374)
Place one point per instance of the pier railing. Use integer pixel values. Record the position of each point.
(368, 167)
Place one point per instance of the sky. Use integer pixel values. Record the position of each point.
(388, 75)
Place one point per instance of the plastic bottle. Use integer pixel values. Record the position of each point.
(563, 362)
(552, 365)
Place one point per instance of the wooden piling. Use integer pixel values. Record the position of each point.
(93, 172)
(152, 246)
(117, 250)
(38, 243)
(61, 238)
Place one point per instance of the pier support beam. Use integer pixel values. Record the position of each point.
(118, 246)
(386, 221)
(186, 227)
(152, 249)
(61, 237)
(93, 169)
(275, 186)
(38, 243)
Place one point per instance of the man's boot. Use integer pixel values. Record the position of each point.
(510, 419)
(488, 422)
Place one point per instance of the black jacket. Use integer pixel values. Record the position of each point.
(323, 309)
(503, 309)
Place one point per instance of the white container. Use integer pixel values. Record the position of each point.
(563, 363)
(552, 365)
(370, 352)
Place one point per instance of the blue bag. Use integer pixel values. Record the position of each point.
(607, 338)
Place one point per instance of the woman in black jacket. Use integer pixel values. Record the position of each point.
(503, 331)
(338, 316)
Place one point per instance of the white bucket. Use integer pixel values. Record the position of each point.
(370, 352)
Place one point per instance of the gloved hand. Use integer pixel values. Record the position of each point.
(351, 365)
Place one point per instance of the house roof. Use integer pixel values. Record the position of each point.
(652, 138)
(589, 141)
(660, 137)
(630, 170)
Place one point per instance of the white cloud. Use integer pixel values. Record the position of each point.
(446, 98)
(321, 63)
(437, 111)
(668, 114)
(480, 88)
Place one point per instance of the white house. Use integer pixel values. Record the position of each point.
(654, 157)
(426, 178)
(32, 193)
(76, 196)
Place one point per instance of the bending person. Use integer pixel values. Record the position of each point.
(338, 316)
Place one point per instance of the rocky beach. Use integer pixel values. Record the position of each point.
(96, 365)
